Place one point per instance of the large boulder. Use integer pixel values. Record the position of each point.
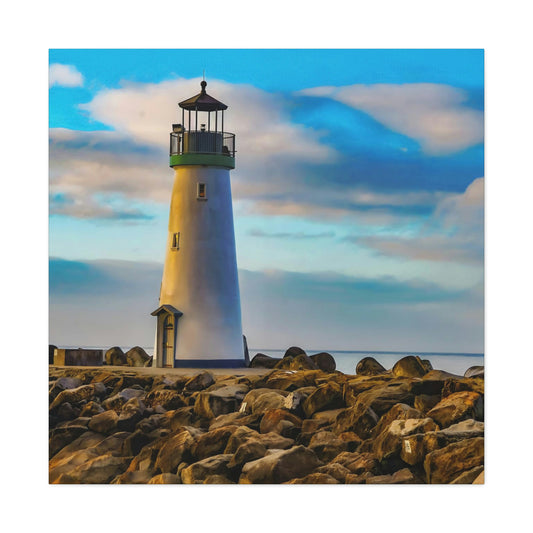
(175, 450)
(324, 361)
(316, 478)
(327, 445)
(368, 366)
(62, 436)
(115, 357)
(302, 362)
(212, 443)
(165, 479)
(381, 399)
(210, 404)
(475, 372)
(117, 401)
(359, 463)
(280, 421)
(99, 470)
(199, 382)
(258, 401)
(359, 418)
(410, 366)
(63, 383)
(400, 477)
(446, 464)
(355, 386)
(136, 356)
(261, 360)
(293, 351)
(280, 466)
(400, 411)
(326, 397)
(168, 399)
(248, 451)
(456, 407)
(79, 394)
(104, 422)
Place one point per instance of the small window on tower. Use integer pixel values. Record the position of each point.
(202, 192)
(176, 241)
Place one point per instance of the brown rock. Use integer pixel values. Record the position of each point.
(327, 445)
(212, 443)
(137, 357)
(303, 362)
(475, 384)
(335, 470)
(401, 477)
(360, 419)
(198, 472)
(101, 469)
(117, 401)
(62, 436)
(326, 397)
(426, 402)
(248, 451)
(456, 407)
(115, 357)
(446, 464)
(293, 351)
(324, 361)
(261, 360)
(280, 466)
(409, 367)
(210, 404)
(168, 399)
(368, 366)
(199, 382)
(316, 478)
(475, 372)
(165, 479)
(258, 401)
(400, 411)
(468, 477)
(355, 386)
(381, 399)
(79, 394)
(359, 463)
(279, 421)
(175, 450)
(104, 422)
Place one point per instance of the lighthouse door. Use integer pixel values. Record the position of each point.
(168, 341)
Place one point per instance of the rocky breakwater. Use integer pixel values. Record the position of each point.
(296, 425)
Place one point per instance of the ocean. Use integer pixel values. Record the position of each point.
(455, 363)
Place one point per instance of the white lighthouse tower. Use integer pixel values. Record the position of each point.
(199, 318)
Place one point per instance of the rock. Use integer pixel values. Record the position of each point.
(217, 479)
(61, 436)
(165, 479)
(117, 401)
(321, 419)
(275, 441)
(238, 418)
(201, 381)
(210, 404)
(284, 364)
(258, 401)
(137, 477)
(355, 386)
(137, 357)
(401, 477)
(475, 384)
(359, 463)
(64, 383)
(389, 442)
(293, 351)
(51, 350)
(248, 451)
(480, 480)
(327, 445)
(335, 470)
(212, 443)
(74, 396)
(168, 399)
(456, 407)
(381, 399)
(135, 442)
(280, 421)
(115, 357)
(104, 422)
(175, 450)
(289, 381)
(91, 408)
(316, 478)
(326, 397)
(468, 477)
(368, 366)
(261, 360)
(241, 435)
(475, 372)
(99, 470)
(198, 472)
(446, 464)
(426, 402)
(131, 413)
(177, 418)
(281, 466)
(324, 361)
(400, 411)
(302, 362)
(409, 367)
(360, 419)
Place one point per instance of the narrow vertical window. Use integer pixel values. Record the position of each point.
(202, 192)
(176, 241)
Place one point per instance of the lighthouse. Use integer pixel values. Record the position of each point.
(199, 313)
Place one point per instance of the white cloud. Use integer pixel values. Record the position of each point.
(433, 114)
(64, 76)
(454, 232)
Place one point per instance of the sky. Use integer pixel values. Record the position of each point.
(358, 193)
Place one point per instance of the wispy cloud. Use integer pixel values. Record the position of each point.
(256, 232)
(435, 115)
(454, 233)
(64, 76)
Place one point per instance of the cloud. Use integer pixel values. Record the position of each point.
(435, 115)
(64, 76)
(103, 303)
(256, 232)
(454, 233)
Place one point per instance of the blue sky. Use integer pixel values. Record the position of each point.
(358, 193)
